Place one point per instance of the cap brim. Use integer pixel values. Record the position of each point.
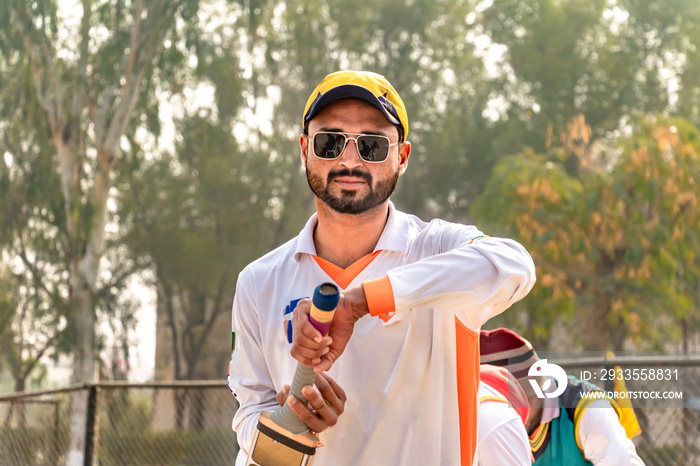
(348, 91)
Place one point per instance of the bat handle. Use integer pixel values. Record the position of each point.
(323, 305)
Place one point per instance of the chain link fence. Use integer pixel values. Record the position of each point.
(665, 395)
(189, 423)
(182, 423)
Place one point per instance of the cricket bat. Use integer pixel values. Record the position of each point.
(282, 439)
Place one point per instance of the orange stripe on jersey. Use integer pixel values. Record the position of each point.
(343, 277)
(467, 347)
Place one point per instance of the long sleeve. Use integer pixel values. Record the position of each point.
(248, 376)
(432, 267)
(467, 271)
(603, 438)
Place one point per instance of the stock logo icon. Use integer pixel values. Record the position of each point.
(551, 371)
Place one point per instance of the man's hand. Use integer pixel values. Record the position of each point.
(312, 349)
(326, 403)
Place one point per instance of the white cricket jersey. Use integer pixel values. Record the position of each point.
(501, 436)
(411, 381)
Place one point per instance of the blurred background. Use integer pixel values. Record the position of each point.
(150, 151)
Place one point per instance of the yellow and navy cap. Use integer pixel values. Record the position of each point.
(366, 85)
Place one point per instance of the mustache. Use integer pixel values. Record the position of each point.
(345, 172)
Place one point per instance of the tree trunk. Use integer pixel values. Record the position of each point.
(617, 335)
(86, 212)
(83, 372)
(20, 407)
(86, 277)
(597, 332)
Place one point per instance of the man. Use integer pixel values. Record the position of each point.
(570, 429)
(503, 409)
(415, 295)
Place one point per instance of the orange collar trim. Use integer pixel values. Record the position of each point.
(343, 277)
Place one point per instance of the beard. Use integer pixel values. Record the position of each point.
(348, 202)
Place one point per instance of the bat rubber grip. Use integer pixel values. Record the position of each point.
(285, 417)
(323, 305)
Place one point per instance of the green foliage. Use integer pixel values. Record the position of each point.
(30, 445)
(198, 218)
(605, 61)
(197, 211)
(422, 49)
(126, 412)
(616, 245)
(183, 211)
(669, 454)
(29, 328)
(168, 447)
(142, 446)
(73, 90)
(526, 196)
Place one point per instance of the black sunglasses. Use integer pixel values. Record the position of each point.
(330, 145)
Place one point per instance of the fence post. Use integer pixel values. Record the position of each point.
(90, 424)
(56, 414)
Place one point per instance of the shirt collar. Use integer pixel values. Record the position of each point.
(394, 237)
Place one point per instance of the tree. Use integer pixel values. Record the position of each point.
(614, 248)
(198, 225)
(425, 51)
(33, 312)
(93, 88)
(603, 60)
(28, 331)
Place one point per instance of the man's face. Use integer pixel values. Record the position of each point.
(348, 184)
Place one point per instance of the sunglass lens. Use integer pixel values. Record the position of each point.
(373, 148)
(328, 145)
